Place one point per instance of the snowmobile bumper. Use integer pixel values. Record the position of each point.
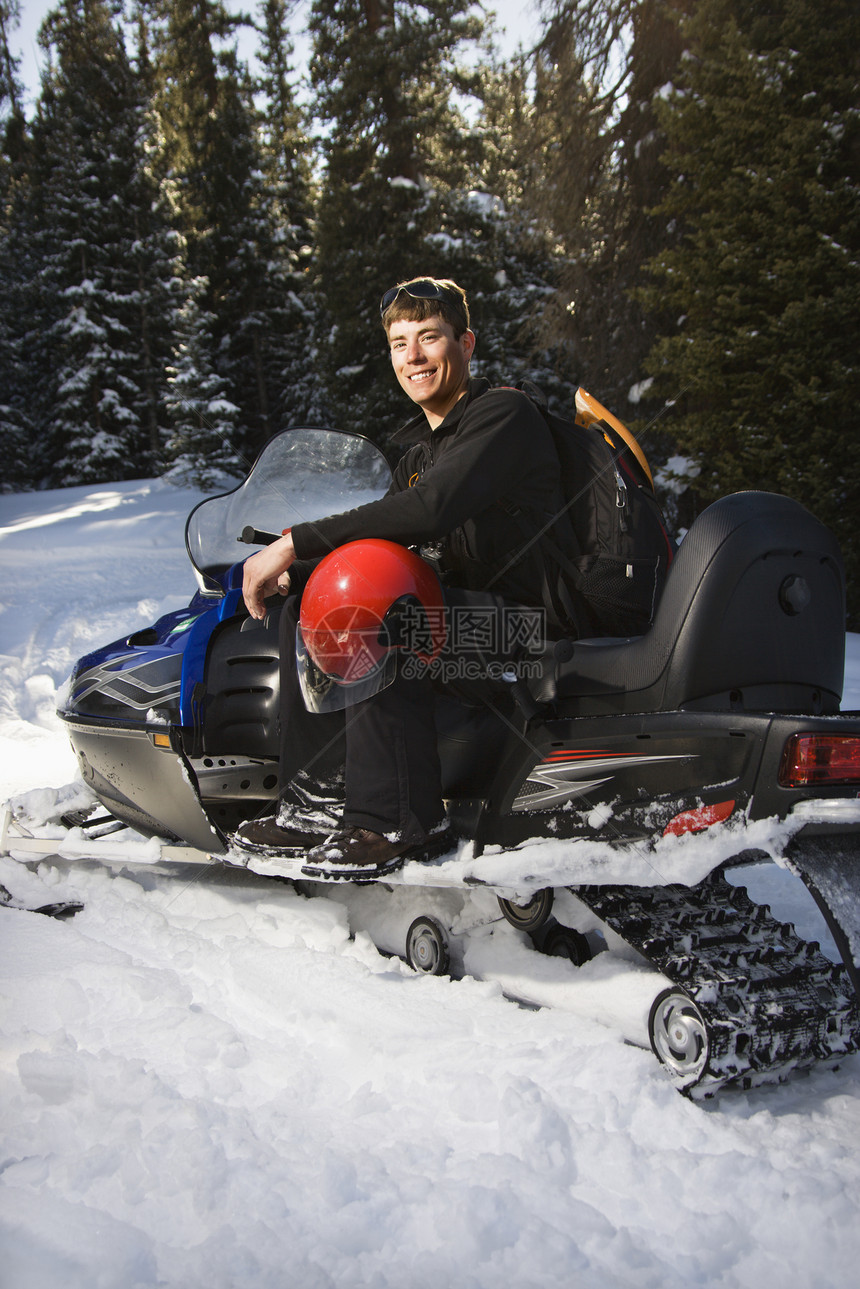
(832, 815)
(140, 776)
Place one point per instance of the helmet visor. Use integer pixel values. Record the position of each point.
(358, 672)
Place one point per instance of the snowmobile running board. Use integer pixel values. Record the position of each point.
(84, 836)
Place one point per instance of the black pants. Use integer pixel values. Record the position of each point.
(379, 760)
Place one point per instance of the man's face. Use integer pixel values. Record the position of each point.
(430, 364)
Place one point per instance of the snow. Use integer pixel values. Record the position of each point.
(673, 476)
(485, 204)
(637, 392)
(211, 1081)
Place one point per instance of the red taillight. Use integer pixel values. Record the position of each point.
(809, 760)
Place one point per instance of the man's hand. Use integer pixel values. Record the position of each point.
(265, 573)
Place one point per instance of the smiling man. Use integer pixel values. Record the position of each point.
(478, 483)
(431, 363)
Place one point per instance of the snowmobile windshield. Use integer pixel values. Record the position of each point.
(300, 475)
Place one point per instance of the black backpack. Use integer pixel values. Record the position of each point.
(606, 553)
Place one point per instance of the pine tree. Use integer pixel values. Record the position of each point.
(594, 176)
(14, 126)
(15, 389)
(269, 351)
(88, 177)
(156, 258)
(202, 447)
(387, 76)
(504, 259)
(764, 145)
(241, 202)
(509, 254)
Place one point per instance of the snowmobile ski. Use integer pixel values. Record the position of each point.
(61, 910)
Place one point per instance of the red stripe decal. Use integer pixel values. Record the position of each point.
(700, 819)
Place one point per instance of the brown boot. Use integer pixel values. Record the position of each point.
(267, 837)
(358, 846)
(365, 852)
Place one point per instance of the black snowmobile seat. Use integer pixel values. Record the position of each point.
(752, 617)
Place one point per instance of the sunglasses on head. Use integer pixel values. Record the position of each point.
(423, 288)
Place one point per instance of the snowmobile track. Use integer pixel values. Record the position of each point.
(771, 1002)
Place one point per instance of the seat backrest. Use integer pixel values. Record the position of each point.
(763, 607)
(753, 616)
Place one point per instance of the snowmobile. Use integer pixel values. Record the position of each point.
(607, 798)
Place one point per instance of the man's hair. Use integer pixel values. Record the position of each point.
(451, 306)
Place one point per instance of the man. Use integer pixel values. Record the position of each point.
(480, 480)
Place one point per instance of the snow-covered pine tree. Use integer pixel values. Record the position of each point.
(85, 298)
(202, 446)
(503, 251)
(593, 174)
(210, 156)
(156, 257)
(389, 79)
(764, 289)
(270, 360)
(20, 469)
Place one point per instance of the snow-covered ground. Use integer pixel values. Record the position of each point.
(213, 1083)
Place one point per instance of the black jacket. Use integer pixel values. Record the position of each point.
(481, 485)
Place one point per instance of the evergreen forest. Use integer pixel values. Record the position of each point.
(656, 199)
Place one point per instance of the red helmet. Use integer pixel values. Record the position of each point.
(362, 602)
